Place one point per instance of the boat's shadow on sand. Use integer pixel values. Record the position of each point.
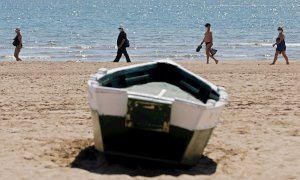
(91, 160)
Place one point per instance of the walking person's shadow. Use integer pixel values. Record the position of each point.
(94, 161)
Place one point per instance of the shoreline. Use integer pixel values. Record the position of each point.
(45, 122)
(200, 59)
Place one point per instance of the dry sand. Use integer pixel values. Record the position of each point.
(46, 128)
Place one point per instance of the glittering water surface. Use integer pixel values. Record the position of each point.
(86, 30)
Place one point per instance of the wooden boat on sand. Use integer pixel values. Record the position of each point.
(155, 111)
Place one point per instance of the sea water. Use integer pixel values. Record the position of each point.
(86, 30)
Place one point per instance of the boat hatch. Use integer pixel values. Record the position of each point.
(148, 115)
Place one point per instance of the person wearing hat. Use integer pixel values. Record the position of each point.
(121, 43)
(18, 44)
(281, 47)
(208, 40)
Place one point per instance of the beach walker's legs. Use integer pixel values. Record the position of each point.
(208, 55)
(216, 61)
(275, 58)
(119, 55)
(126, 55)
(285, 57)
(16, 54)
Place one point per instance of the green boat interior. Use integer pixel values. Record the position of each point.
(162, 89)
(164, 73)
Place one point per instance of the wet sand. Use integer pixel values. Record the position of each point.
(46, 128)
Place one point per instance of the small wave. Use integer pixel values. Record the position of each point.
(81, 47)
(293, 44)
(83, 55)
(234, 55)
(255, 44)
(185, 55)
(46, 47)
(35, 58)
(250, 5)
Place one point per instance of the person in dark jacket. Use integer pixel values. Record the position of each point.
(18, 44)
(121, 43)
(281, 47)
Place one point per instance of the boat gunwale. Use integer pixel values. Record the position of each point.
(104, 78)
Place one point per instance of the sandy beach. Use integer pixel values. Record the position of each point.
(46, 127)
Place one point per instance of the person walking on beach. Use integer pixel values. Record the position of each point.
(281, 47)
(18, 44)
(122, 43)
(208, 40)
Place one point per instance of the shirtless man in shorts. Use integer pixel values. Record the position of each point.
(208, 40)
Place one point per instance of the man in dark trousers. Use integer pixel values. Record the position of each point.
(121, 42)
